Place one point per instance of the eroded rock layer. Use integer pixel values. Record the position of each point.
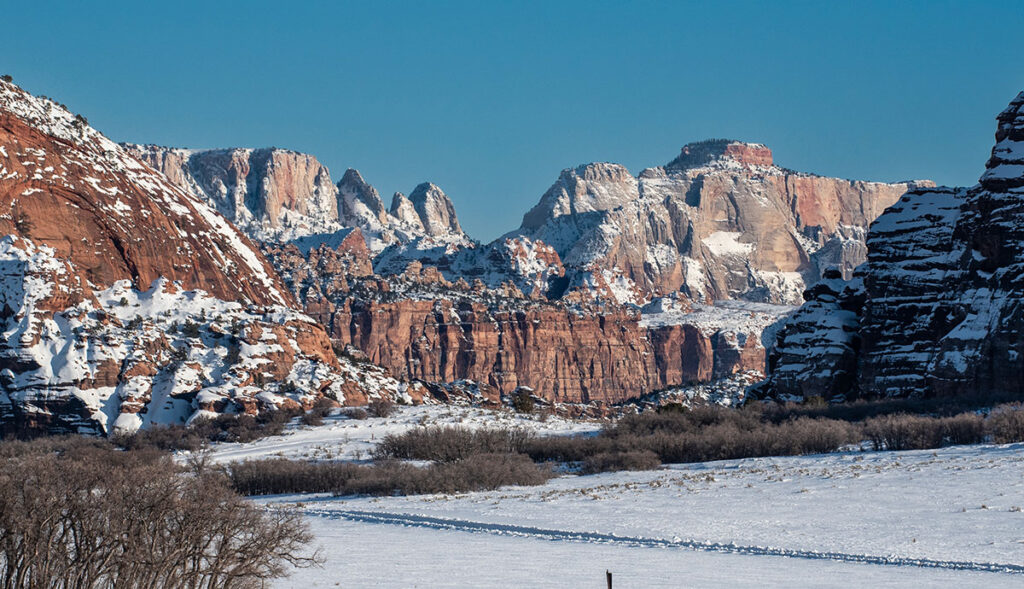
(421, 326)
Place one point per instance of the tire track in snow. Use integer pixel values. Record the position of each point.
(436, 523)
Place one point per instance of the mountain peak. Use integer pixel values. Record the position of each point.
(353, 194)
(435, 210)
(701, 153)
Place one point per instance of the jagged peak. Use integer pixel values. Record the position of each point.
(435, 209)
(354, 178)
(397, 201)
(426, 190)
(403, 210)
(702, 153)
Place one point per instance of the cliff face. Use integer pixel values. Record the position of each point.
(942, 288)
(718, 222)
(419, 325)
(126, 301)
(561, 355)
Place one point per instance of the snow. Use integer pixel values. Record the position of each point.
(724, 315)
(726, 243)
(72, 352)
(846, 519)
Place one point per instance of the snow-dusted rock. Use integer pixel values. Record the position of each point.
(721, 221)
(943, 311)
(435, 210)
(279, 195)
(127, 301)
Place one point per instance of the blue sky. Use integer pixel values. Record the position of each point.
(490, 100)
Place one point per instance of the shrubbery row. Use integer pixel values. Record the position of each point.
(479, 472)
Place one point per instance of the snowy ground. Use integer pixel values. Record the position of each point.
(910, 519)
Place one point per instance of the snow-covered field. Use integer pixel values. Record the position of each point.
(921, 518)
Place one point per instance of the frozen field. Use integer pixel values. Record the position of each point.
(922, 518)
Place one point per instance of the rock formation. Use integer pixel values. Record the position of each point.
(419, 325)
(721, 221)
(125, 301)
(281, 195)
(718, 223)
(942, 304)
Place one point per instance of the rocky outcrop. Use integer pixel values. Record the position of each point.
(942, 310)
(126, 301)
(721, 221)
(268, 193)
(816, 352)
(67, 187)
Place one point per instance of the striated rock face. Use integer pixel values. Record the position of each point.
(910, 274)
(125, 301)
(68, 187)
(265, 192)
(561, 355)
(942, 311)
(281, 195)
(718, 222)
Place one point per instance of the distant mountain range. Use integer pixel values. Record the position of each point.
(613, 285)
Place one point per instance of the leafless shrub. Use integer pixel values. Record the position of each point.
(904, 432)
(321, 409)
(615, 461)
(280, 475)
(700, 437)
(356, 413)
(476, 473)
(451, 443)
(1006, 424)
(966, 428)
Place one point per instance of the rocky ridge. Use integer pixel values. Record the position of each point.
(719, 223)
(421, 326)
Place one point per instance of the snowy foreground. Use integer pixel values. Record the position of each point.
(909, 519)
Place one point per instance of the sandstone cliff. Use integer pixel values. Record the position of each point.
(419, 325)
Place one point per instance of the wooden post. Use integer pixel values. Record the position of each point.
(608, 575)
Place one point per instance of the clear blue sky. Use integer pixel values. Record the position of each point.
(491, 100)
